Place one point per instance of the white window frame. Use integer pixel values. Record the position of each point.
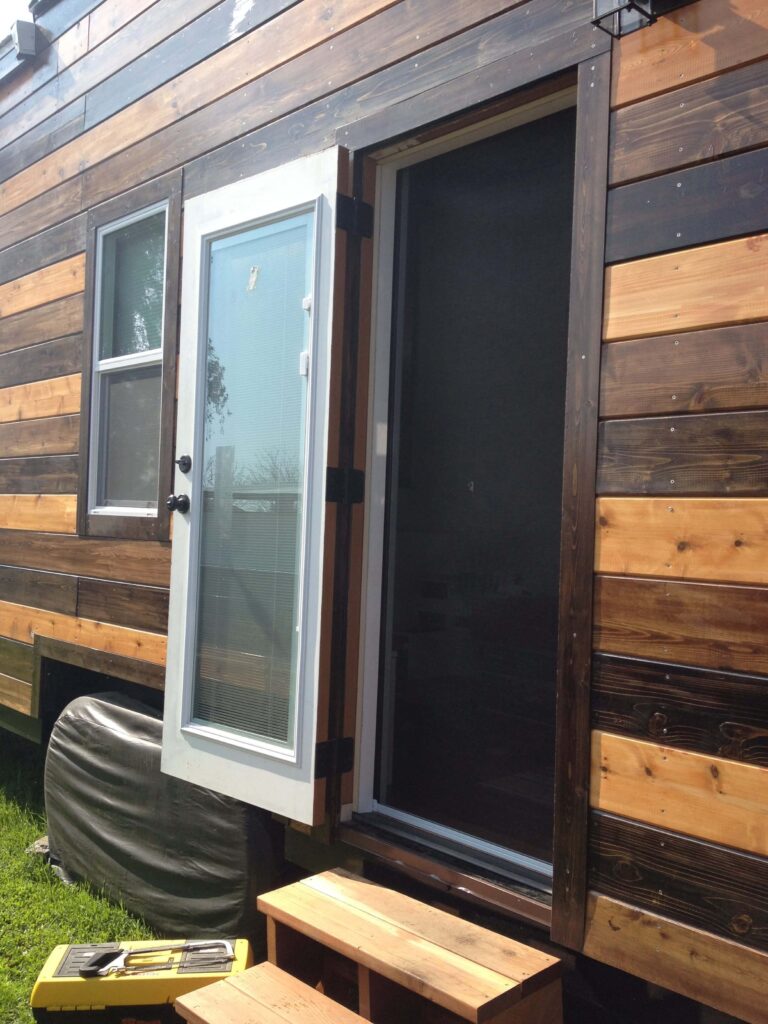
(101, 367)
(277, 777)
(389, 163)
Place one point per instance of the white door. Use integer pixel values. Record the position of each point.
(246, 617)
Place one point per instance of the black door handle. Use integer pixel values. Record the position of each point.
(177, 503)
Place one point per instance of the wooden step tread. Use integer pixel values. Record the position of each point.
(458, 965)
(261, 995)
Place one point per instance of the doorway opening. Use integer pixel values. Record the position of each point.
(466, 460)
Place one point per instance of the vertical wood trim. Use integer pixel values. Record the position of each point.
(579, 473)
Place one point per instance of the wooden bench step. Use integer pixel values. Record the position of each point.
(462, 967)
(261, 995)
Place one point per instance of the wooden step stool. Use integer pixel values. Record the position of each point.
(393, 959)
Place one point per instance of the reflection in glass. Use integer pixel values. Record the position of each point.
(129, 445)
(253, 480)
(132, 280)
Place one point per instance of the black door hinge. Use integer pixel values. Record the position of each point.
(345, 486)
(354, 215)
(324, 756)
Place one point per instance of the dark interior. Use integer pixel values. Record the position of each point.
(469, 638)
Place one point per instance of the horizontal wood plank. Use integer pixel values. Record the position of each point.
(147, 562)
(59, 358)
(56, 435)
(125, 604)
(725, 802)
(48, 247)
(712, 887)
(56, 397)
(721, 453)
(710, 119)
(42, 286)
(17, 660)
(687, 45)
(47, 513)
(698, 624)
(700, 371)
(23, 623)
(16, 694)
(54, 320)
(52, 590)
(131, 670)
(707, 203)
(720, 713)
(695, 963)
(42, 474)
(722, 540)
(713, 286)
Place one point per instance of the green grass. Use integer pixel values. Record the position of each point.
(37, 912)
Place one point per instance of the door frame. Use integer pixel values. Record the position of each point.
(572, 748)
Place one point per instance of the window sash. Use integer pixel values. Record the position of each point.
(103, 366)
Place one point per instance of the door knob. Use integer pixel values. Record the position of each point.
(177, 503)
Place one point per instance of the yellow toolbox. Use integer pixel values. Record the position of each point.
(130, 982)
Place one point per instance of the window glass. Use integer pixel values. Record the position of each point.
(129, 417)
(253, 480)
(132, 282)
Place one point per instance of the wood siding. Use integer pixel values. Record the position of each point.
(678, 852)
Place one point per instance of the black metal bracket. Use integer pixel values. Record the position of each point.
(344, 750)
(354, 215)
(345, 486)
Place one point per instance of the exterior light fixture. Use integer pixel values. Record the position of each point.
(24, 36)
(620, 17)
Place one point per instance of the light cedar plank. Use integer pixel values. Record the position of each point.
(725, 802)
(268, 986)
(710, 286)
(43, 323)
(53, 435)
(48, 513)
(698, 41)
(161, 21)
(451, 981)
(709, 625)
(16, 694)
(43, 286)
(697, 964)
(524, 964)
(299, 29)
(58, 396)
(22, 623)
(722, 540)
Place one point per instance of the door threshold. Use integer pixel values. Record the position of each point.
(449, 867)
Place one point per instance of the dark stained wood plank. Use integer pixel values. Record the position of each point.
(43, 474)
(50, 208)
(704, 121)
(54, 591)
(48, 247)
(719, 453)
(54, 435)
(701, 204)
(43, 323)
(721, 713)
(712, 887)
(40, 362)
(572, 756)
(123, 604)
(698, 624)
(17, 659)
(697, 371)
(147, 562)
(55, 131)
(144, 673)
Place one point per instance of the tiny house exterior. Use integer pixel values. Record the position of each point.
(383, 388)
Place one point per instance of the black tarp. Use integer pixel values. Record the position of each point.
(187, 860)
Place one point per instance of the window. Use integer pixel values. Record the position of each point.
(129, 374)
